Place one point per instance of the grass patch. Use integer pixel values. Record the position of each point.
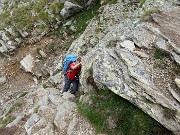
(159, 54)
(7, 120)
(127, 118)
(160, 64)
(110, 2)
(25, 17)
(14, 106)
(141, 3)
(56, 8)
(83, 18)
(146, 15)
(23, 94)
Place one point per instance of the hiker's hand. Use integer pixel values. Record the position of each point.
(80, 63)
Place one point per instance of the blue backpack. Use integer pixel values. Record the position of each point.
(68, 60)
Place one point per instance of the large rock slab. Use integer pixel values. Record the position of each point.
(124, 73)
(42, 126)
(64, 113)
(30, 122)
(143, 38)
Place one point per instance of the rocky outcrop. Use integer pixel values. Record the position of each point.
(52, 114)
(121, 61)
(70, 9)
(6, 45)
(117, 54)
(170, 32)
(124, 74)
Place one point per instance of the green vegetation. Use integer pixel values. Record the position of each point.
(146, 15)
(25, 17)
(110, 2)
(159, 54)
(127, 118)
(141, 3)
(14, 106)
(82, 18)
(7, 120)
(35, 17)
(56, 8)
(160, 64)
(23, 94)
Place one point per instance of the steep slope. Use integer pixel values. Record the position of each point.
(131, 51)
(123, 61)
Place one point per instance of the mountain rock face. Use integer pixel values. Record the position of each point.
(123, 61)
(133, 52)
(49, 113)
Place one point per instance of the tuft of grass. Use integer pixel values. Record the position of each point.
(23, 94)
(56, 8)
(146, 15)
(7, 120)
(141, 3)
(129, 119)
(159, 54)
(160, 64)
(14, 106)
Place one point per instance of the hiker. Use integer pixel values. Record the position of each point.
(72, 76)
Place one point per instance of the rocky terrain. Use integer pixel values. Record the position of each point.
(131, 48)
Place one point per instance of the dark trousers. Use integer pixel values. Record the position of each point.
(75, 85)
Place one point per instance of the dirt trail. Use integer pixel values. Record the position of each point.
(18, 80)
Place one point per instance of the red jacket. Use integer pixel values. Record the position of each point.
(73, 73)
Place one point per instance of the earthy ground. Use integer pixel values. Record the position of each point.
(19, 81)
